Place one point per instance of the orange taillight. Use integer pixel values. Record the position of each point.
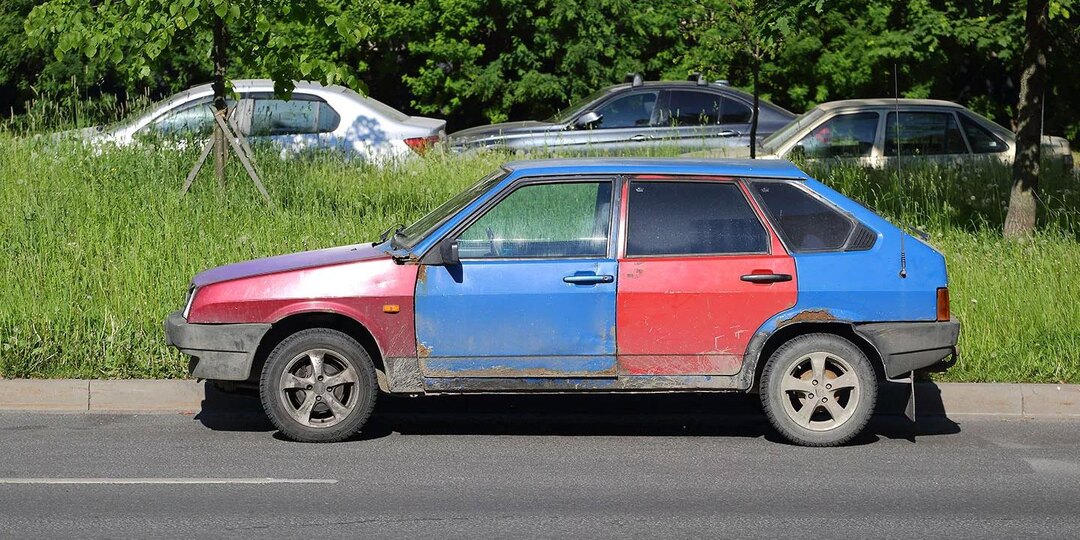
(943, 304)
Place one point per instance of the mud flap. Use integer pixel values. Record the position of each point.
(909, 409)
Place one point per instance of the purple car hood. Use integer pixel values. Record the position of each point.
(292, 261)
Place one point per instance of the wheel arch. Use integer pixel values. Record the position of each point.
(296, 322)
(762, 346)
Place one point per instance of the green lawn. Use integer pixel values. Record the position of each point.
(99, 248)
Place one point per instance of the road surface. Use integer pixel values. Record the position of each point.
(535, 466)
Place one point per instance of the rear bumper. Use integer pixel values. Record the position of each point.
(908, 346)
(218, 351)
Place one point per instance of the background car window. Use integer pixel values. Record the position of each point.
(980, 138)
(689, 108)
(923, 134)
(543, 220)
(846, 135)
(633, 110)
(691, 218)
(804, 222)
(299, 115)
(735, 112)
(194, 120)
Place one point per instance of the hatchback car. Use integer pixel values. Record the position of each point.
(315, 117)
(876, 132)
(687, 115)
(596, 275)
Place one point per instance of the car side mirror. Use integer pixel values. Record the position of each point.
(587, 119)
(797, 152)
(448, 252)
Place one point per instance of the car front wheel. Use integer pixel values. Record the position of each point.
(318, 385)
(818, 390)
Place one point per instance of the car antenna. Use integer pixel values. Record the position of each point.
(896, 102)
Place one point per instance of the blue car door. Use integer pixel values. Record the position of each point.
(534, 293)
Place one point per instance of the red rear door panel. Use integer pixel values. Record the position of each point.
(694, 315)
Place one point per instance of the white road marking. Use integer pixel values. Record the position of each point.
(167, 481)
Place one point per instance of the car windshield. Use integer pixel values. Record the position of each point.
(409, 236)
(577, 107)
(773, 142)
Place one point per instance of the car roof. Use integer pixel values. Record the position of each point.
(886, 102)
(268, 85)
(752, 168)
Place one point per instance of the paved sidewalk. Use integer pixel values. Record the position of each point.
(188, 396)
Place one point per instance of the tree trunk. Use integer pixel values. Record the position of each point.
(1020, 220)
(220, 108)
(754, 119)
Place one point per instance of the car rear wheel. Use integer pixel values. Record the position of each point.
(818, 390)
(318, 385)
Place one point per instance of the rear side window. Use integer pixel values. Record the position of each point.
(980, 138)
(803, 221)
(297, 116)
(691, 218)
(923, 134)
(694, 108)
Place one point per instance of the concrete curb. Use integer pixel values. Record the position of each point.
(187, 396)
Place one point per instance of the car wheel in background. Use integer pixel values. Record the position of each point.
(318, 385)
(818, 390)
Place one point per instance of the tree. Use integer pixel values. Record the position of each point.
(276, 37)
(755, 29)
(1020, 220)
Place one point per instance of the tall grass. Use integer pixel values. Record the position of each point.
(97, 248)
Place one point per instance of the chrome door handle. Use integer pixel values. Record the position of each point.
(638, 138)
(728, 133)
(589, 279)
(766, 278)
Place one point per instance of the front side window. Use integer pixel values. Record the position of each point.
(691, 218)
(194, 120)
(297, 116)
(803, 221)
(846, 135)
(923, 134)
(982, 141)
(543, 220)
(633, 110)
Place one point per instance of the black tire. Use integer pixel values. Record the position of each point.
(790, 382)
(334, 413)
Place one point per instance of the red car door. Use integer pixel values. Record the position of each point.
(700, 270)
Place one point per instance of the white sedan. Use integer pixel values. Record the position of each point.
(315, 117)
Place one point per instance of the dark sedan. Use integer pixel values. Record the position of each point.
(686, 115)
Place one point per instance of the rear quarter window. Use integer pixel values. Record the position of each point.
(804, 222)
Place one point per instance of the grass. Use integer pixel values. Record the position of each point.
(98, 248)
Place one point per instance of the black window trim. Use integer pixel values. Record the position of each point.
(525, 181)
(669, 179)
(855, 223)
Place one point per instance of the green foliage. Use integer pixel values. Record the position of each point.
(282, 40)
(99, 248)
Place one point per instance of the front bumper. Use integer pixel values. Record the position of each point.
(908, 346)
(218, 351)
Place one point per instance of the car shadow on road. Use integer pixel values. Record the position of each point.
(583, 415)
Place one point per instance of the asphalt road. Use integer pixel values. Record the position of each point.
(538, 466)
